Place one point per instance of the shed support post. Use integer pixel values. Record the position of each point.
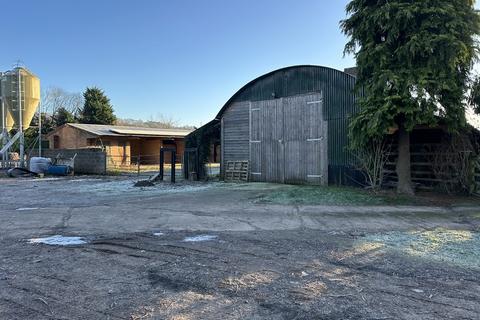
(161, 172)
(185, 165)
(138, 165)
(173, 166)
(197, 164)
(162, 163)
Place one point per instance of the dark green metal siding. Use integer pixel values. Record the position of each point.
(339, 104)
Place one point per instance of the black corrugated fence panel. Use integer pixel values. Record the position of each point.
(338, 153)
(345, 176)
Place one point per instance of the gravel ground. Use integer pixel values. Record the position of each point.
(212, 252)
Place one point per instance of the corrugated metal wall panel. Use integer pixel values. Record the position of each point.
(338, 153)
(339, 105)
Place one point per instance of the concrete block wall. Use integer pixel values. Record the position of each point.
(87, 161)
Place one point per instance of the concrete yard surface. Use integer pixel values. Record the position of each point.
(99, 248)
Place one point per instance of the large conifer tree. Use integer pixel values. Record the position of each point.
(414, 60)
(97, 108)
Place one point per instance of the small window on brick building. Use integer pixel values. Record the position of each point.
(56, 142)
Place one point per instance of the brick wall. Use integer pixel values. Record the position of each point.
(69, 138)
(87, 161)
(118, 150)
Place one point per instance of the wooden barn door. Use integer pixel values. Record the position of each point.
(305, 143)
(288, 140)
(266, 133)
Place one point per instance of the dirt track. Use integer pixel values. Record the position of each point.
(266, 262)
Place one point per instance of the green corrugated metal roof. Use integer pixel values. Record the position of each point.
(339, 96)
(337, 86)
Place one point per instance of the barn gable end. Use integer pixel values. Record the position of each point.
(338, 103)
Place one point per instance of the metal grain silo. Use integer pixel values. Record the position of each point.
(21, 94)
(6, 120)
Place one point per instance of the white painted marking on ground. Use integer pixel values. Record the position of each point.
(27, 209)
(200, 238)
(59, 240)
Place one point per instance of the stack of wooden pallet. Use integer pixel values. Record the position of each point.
(236, 171)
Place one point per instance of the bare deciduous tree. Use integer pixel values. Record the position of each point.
(159, 121)
(371, 161)
(54, 98)
(454, 163)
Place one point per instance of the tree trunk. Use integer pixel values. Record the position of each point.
(403, 163)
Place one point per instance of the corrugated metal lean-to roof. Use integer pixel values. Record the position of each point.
(113, 131)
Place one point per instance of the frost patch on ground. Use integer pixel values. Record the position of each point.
(84, 180)
(459, 247)
(200, 238)
(59, 240)
(127, 186)
(44, 179)
(27, 209)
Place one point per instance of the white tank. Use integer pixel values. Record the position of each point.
(39, 165)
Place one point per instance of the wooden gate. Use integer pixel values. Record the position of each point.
(288, 140)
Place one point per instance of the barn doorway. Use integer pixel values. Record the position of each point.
(288, 140)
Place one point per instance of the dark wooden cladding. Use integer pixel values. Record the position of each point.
(235, 128)
(339, 103)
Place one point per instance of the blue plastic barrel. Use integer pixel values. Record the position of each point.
(58, 170)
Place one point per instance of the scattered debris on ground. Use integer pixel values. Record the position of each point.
(144, 183)
(129, 187)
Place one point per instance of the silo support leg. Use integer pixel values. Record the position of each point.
(11, 142)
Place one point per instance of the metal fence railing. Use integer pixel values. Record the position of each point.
(141, 165)
(148, 165)
(9, 164)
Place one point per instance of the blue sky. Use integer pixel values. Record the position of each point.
(178, 58)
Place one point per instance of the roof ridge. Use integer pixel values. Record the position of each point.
(121, 126)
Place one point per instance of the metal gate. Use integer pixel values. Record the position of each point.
(288, 140)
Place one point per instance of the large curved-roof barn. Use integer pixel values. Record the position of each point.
(291, 125)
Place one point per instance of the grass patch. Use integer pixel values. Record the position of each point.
(318, 195)
(333, 195)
